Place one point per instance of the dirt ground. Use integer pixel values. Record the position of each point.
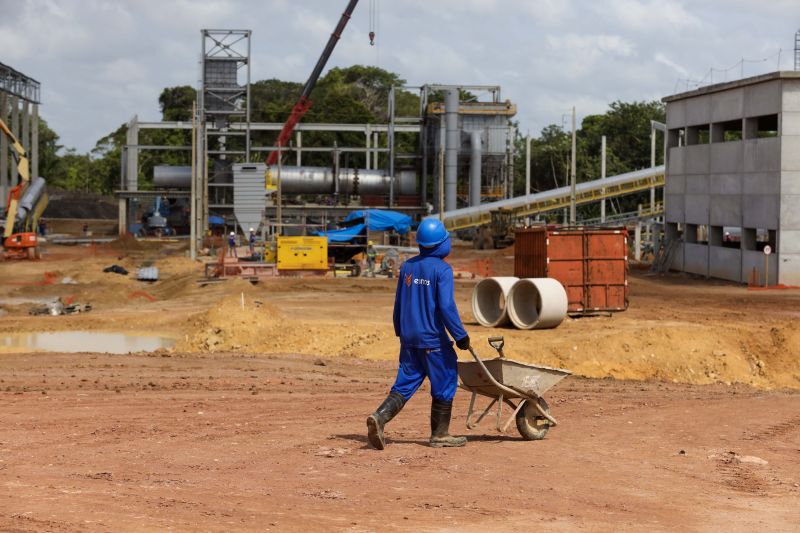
(683, 412)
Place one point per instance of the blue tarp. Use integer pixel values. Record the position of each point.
(215, 221)
(382, 220)
(343, 235)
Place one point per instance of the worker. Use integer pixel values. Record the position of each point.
(252, 241)
(372, 255)
(232, 244)
(424, 311)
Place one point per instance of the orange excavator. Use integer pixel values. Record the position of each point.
(25, 204)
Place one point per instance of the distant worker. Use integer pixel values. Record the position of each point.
(252, 241)
(42, 227)
(232, 245)
(372, 255)
(424, 311)
(85, 229)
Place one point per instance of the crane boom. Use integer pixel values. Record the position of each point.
(303, 104)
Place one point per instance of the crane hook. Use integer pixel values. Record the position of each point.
(372, 38)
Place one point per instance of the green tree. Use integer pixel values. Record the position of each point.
(176, 102)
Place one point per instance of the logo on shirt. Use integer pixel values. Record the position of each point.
(409, 279)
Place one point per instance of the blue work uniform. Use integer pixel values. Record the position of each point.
(424, 311)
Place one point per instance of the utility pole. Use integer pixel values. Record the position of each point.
(278, 194)
(653, 163)
(528, 165)
(573, 172)
(602, 177)
(193, 200)
(441, 183)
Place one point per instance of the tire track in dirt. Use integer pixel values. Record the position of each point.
(775, 430)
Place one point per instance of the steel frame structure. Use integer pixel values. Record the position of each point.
(18, 84)
(397, 124)
(20, 96)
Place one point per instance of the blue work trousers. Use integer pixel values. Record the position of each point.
(439, 365)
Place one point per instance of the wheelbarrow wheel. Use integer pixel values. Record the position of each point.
(530, 423)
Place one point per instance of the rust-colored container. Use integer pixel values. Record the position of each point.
(591, 263)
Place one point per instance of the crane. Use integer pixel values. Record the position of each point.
(24, 206)
(303, 104)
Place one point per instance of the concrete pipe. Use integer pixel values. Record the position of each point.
(489, 300)
(537, 303)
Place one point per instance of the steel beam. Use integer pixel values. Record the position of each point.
(4, 181)
(276, 126)
(34, 152)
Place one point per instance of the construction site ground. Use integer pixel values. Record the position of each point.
(683, 413)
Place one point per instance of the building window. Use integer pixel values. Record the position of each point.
(766, 237)
(761, 127)
(732, 237)
(696, 234)
(726, 131)
(697, 135)
(674, 231)
(675, 137)
(755, 239)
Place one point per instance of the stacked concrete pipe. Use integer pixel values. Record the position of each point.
(537, 303)
(529, 303)
(490, 300)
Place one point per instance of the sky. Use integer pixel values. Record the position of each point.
(100, 61)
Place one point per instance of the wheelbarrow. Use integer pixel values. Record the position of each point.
(505, 380)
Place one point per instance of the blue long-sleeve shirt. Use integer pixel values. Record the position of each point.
(424, 306)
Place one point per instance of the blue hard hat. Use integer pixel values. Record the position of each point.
(431, 232)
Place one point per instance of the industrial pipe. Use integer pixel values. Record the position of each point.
(475, 169)
(537, 303)
(490, 300)
(29, 198)
(305, 180)
(452, 146)
(172, 177)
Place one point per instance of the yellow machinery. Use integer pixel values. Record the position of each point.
(24, 206)
(302, 253)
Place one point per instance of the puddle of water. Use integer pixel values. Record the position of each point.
(23, 301)
(84, 341)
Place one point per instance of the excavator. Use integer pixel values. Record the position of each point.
(25, 204)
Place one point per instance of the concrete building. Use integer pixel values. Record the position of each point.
(733, 179)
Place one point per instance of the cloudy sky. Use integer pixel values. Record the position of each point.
(102, 61)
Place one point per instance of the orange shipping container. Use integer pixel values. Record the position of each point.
(591, 263)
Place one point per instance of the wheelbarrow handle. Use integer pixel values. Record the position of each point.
(497, 343)
(490, 377)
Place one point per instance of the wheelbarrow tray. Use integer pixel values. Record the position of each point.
(526, 379)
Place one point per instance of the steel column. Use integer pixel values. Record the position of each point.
(15, 131)
(298, 135)
(368, 135)
(35, 141)
(4, 181)
(573, 175)
(453, 142)
(602, 177)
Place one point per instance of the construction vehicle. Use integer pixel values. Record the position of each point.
(24, 206)
(303, 104)
(499, 233)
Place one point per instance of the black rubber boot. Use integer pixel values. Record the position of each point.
(440, 426)
(375, 422)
